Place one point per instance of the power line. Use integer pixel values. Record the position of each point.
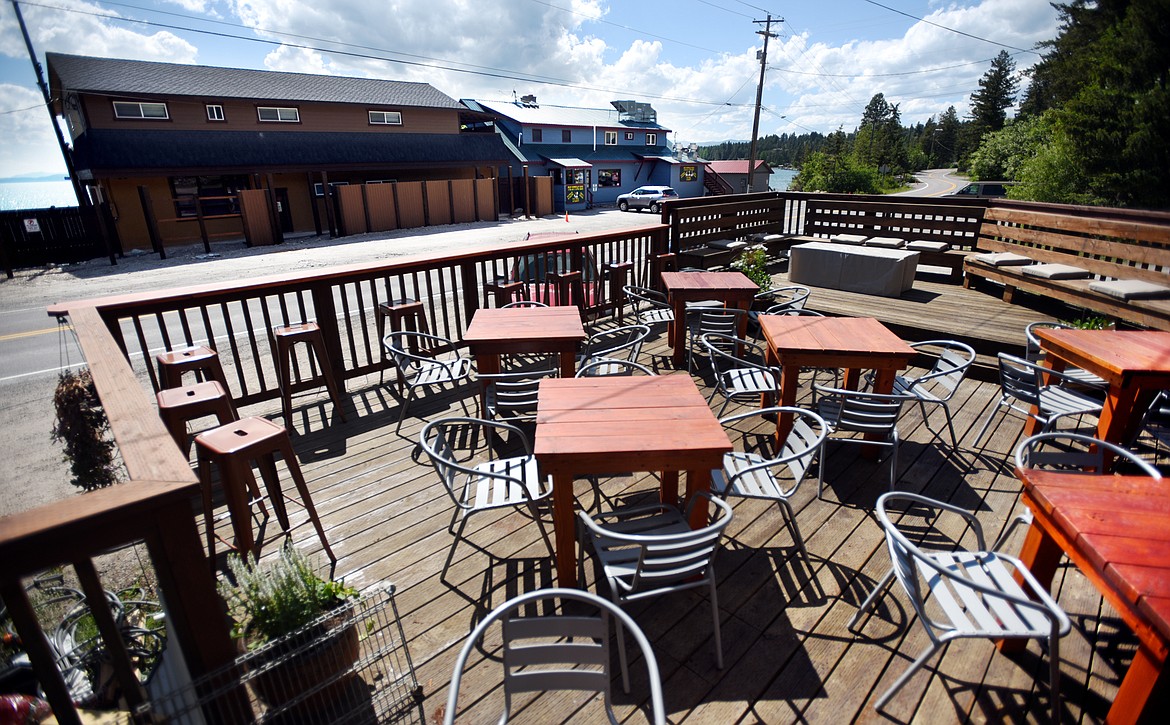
(22, 110)
(943, 27)
(882, 75)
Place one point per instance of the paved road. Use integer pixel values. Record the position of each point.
(935, 182)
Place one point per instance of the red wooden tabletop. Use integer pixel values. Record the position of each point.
(618, 423)
(1116, 355)
(709, 285)
(492, 324)
(1120, 527)
(832, 335)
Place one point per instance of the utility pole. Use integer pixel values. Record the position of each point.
(767, 33)
(82, 197)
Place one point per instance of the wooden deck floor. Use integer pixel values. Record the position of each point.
(789, 656)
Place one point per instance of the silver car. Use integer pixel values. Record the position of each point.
(646, 197)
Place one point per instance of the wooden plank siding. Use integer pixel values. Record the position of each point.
(410, 204)
(380, 203)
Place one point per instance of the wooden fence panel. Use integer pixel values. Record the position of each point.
(257, 217)
(59, 235)
(380, 200)
(438, 202)
(410, 204)
(353, 209)
(463, 200)
(487, 208)
(542, 192)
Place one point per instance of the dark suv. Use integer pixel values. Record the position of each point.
(646, 197)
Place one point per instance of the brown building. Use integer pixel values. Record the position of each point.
(183, 141)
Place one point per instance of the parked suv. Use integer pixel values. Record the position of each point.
(646, 197)
(984, 189)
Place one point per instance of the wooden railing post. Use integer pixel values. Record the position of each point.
(470, 285)
(151, 222)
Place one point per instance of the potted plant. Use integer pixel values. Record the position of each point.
(753, 262)
(295, 626)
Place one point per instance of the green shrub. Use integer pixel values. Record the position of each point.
(754, 263)
(82, 426)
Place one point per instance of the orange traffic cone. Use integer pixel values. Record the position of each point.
(566, 216)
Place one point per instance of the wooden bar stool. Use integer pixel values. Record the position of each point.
(177, 406)
(403, 314)
(286, 337)
(200, 359)
(232, 448)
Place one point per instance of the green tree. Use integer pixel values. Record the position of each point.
(879, 139)
(836, 170)
(996, 94)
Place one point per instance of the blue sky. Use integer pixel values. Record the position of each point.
(693, 60)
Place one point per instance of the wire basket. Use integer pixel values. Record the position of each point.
(350, 665)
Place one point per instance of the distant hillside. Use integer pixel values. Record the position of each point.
(783, 150)
(33, 177)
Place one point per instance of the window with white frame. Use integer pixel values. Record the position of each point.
(611, 138)
(124, 109)
(275, 114)
(214, 112)
(385, 118)
(629, 135)
(651, 139)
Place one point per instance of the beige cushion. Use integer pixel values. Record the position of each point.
(1055, 271)
(922, 245)
(885, 242)
(1003, 259)
(1131, 289)
(848, 238)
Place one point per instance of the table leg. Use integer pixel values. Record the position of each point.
(486, 365)
(568, 364)
(789, 381)
(564, 530)
(1143, 694)
(668, 489)
(677, 331)
(699, 480)
(851, 380)
(1040, 554)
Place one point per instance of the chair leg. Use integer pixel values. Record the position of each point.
(620, 631)
(821, 473)
(402, 410)
(905, 677)
(987, 422)
(715, 618)
(451, 553)
(951, 427)
(1054, 673)
(790, 520)
(894, 462)
(543, 532)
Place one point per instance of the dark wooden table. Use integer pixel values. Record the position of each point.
(602, 425)
(1136, 364)
(1116, 530)
(852, 343)
(734, 289)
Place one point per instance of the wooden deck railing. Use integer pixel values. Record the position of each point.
(120, 336)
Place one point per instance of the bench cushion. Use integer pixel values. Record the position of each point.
(1055, 271)
(1130, 289)
(1003, 259)
(885, 242)
(848, 238)
(923, 245)
(726, 243)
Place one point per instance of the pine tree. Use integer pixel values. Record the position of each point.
(996, 94)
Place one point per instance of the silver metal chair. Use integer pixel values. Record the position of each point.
(959, 593)
(647, 551)
(779, 300)
(425, 360)
(523, 303)
(511, 396)
(739, 377)
(478, 482)
(619, 343)
(860, 414)
(939, 384)
(1023, 387)
(603, 367)
(576, 659)
(704, 320)
(1034, 353)
(650, 306)
(756, 470)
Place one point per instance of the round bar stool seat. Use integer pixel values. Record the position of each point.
(177, 406)
(200, 359)
(286, 337)
(233, 448)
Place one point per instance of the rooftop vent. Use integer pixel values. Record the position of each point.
(635, 111)
(528, 101)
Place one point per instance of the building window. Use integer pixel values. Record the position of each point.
(319, 189)
(214, 112)
(609, 177)
(122, 109)
(537, 135)
(216, 195)
(272, 114)
(611, 138)
(651, 139)
(566, 136)
(629, 135)
(385, 118)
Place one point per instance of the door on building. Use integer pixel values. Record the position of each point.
(284, 210)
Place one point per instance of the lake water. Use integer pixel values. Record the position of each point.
(36, 194)
(781, 178)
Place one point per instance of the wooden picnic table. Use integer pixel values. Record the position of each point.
(1135, 363)
(852, 343)
(1116, 530)
(605, 425)
(733, 289)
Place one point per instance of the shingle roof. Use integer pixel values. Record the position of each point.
(538, 153)
(106, 150)
(136, 77)
(560, 116)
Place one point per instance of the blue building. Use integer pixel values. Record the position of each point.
(593, 154)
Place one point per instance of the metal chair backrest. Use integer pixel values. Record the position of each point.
(645, 299)
(439, 441)
(512, 395)
(578, 659)
(783, 309)
(864, 412)
(800, 448)
(412, 351)
(1020, 379)
(1075, 453)
(950, 366)
(523, 303)
(621, 343)
(603, 367)
(1032, 350)
(721, 320)
(795, 297)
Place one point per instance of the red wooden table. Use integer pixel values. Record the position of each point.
(852, 343)
(1136, 364)
(734, 289)
(605, 425)
(1116, 530)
